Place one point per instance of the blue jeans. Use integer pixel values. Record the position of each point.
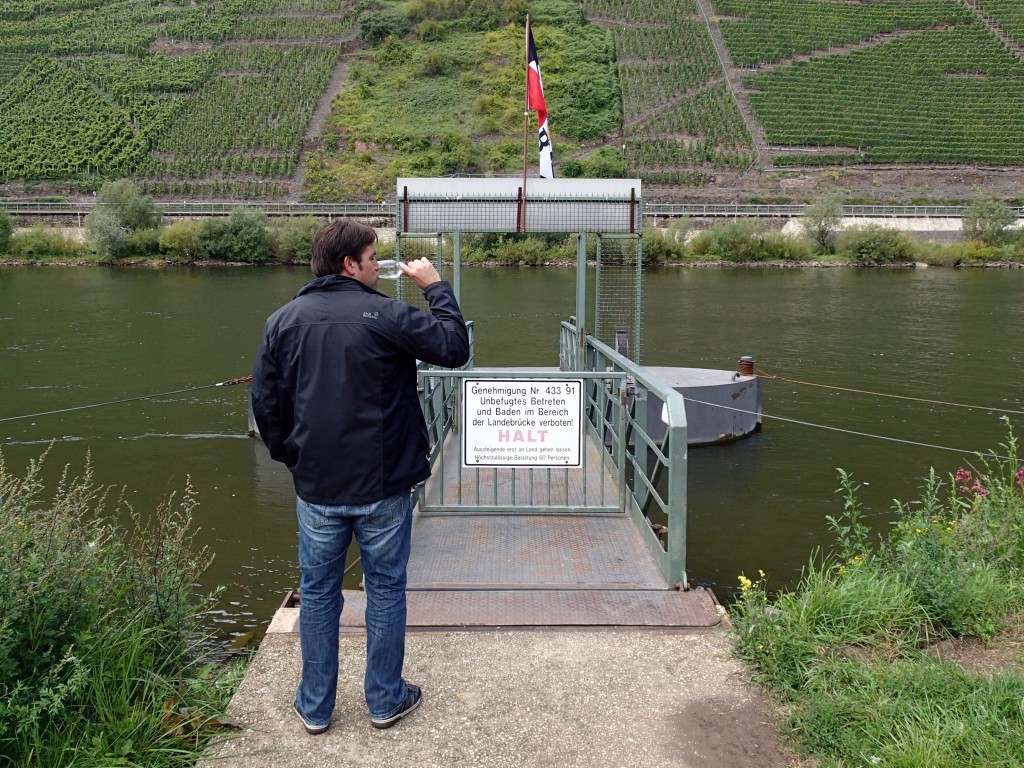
(382, 530)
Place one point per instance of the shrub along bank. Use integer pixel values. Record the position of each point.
(126, 225)
(850, 653)
(101, 660)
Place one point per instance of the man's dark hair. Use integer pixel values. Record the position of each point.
(334, 241)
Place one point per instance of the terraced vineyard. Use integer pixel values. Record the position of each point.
(680, 122)
(193, 98)
(1008, 14)
(913, 81)
(771, 31)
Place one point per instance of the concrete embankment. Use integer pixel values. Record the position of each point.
(528, 699)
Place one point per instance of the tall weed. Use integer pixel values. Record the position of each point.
(99, 636)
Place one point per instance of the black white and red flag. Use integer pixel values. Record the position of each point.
(535, 103)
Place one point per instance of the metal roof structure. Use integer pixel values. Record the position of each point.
(607, 206)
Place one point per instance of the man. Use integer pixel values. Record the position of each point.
(334, 394)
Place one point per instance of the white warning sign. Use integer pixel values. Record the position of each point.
(522, 422)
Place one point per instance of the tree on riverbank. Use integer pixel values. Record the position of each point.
(6, 230)
(821, 221)
(121, 209)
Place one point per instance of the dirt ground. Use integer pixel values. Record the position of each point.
(879, 184)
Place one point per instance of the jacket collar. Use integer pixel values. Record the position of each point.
(334, 283)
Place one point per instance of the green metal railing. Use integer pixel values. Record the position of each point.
(655, 470)
(624, 469)
(594, 486)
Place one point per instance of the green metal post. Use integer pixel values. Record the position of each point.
(637, 330)
(457, 265)
(677, 500)
(581, 294)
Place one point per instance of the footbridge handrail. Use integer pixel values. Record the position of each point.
(655, 471)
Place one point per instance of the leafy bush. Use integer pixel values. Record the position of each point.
(666, 245)
(125, 201)
(180, 240)
(821, 221)
(606, 163)
(430, 30)
(106, 235)
(99, 643)
(872, 245)
(292, 240)
(987, 222)
(42, 243)
(434, 63)
(242, 237)
(6, 230)
(144, 242)
(377, 27)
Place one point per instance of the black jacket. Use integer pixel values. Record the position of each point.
(334, 387)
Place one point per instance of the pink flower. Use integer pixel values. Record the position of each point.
(1019, 477)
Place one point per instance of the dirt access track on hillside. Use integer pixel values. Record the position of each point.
(881, 184)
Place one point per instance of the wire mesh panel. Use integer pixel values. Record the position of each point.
(409, 248)
(618, 293)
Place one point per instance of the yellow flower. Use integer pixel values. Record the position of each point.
(918, 530)
(745, 583)
(760, 573)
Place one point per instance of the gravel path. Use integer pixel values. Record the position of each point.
(524, 699)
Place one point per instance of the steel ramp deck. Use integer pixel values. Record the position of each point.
(494, 609)
(530, 551)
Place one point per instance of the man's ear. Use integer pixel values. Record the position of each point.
(348, 266)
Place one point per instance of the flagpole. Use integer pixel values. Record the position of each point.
(526, 121)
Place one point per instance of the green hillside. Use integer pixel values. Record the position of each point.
(332, 99)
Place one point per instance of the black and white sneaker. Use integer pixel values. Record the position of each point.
(412, 700)
(312, 730)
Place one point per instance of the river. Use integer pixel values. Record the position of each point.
(73, 336)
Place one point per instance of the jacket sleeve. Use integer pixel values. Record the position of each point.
(438, 337)
(270, 405)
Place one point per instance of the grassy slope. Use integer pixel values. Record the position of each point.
(449, 99)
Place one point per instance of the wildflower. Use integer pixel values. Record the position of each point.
(760, 573)
(745, 584)
(918, 530)
(1019, 477)
(963, 478)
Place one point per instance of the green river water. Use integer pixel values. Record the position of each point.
(72, 336)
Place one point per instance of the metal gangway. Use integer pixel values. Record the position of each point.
(502, 541)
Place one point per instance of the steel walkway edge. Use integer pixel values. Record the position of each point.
(510, 609)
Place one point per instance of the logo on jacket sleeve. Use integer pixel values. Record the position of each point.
(371, 315)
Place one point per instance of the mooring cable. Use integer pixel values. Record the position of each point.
(770, 376)
(846, 431)
(228, 383)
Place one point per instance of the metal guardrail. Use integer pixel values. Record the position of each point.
(654, 471)
(650, 475)
(387, 210)
(437, 399)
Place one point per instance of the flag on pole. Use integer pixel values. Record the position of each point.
(535, 103)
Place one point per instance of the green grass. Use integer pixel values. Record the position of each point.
(100, 643)
(844, 652)
(448, 98)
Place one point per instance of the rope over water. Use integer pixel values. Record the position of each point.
(772, 377)
(228, 383)
(830, 428)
